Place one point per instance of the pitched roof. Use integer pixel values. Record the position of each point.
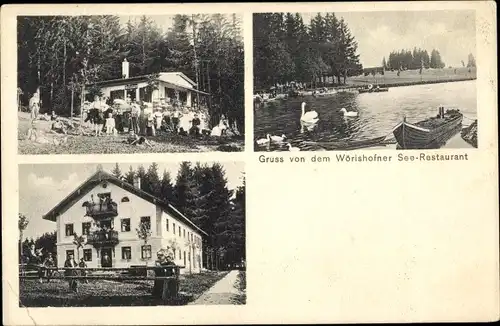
(100, 176)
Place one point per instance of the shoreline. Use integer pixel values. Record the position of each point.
(409, 83)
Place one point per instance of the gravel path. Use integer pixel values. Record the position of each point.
(221, 293)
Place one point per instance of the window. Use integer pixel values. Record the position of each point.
(173, 250)
(86, 228)
(180, 254)
(184, 258)
(180, 234)
(87, 254)
(69, 230)
(125, 199)
(126, 253)
(146, 252)
(125, 224)
(167, 224)
(184, 233)
(173, 224)
(146, 220)
(70, 252)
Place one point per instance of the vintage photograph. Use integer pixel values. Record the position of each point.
(351, 80)
(132, 234)
(130, 84)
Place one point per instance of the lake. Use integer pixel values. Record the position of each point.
(378, 114)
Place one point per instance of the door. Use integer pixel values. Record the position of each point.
(106, 260)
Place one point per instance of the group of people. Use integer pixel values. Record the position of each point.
(140, 118)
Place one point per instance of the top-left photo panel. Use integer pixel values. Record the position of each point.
(106, 84)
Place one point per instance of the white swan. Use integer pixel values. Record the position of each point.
(292, 149)
(349, 113)
(264, 141)
(310, 116)
(278, 139)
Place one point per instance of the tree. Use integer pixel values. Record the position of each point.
(47, 241)
(471, 61)
(152, 182)
(144, 232)
(116, 171)
(384, 63)
(79, 242)
(22, 224)
(166, 188)
(129, 176)
(141, 174)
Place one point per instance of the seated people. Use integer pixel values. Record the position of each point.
(195, 129)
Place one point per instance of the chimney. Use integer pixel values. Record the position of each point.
(137, 182)
(125, 68)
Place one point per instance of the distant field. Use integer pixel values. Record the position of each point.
(409, 76)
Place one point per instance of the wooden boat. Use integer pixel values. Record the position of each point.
(424, 133)
(327, 93)
(349, 144)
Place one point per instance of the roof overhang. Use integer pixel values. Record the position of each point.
(100, 176)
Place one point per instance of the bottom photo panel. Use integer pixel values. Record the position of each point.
(132, 234)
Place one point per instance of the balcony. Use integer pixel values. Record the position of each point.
(102, 238)
(102, 210)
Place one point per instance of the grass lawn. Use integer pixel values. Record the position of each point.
(162, 143)
(241, 285)
(105, 293)
(413, 76)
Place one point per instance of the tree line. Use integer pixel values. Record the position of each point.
(61, 53)
(286, 49)
(411, 60)
(200, 192)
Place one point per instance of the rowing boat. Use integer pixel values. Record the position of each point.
(425, 133)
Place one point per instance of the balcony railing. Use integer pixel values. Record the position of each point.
(102, 210)
(102, 238)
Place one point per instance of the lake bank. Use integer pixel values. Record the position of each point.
(405, 83)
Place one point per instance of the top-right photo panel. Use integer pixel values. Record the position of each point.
(361, 80)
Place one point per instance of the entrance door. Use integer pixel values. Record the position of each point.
(106, 260)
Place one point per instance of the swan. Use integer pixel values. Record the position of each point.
(292, 149)
(310, 116)
(264, 141)
(349, 113)
(278, 138)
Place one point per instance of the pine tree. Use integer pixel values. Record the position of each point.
(471, 61)
(129, 176)
(152, 181)
(167, 189)
(141, 174)
(116, 171)
(183, 187)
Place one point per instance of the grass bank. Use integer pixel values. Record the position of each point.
(413, 77)
(105, 293)
(241, 285)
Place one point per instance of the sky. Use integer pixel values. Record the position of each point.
(452, 33)
(42, 186)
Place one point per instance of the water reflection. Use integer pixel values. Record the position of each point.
(378, 113)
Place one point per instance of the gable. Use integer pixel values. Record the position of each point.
(97, 179)
(177, 78)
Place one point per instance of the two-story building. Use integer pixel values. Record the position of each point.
(107, 211)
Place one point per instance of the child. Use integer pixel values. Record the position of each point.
(110, 125)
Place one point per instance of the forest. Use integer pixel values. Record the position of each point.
(287, 49)
(63, 53)
(411, 60)
(200, 192)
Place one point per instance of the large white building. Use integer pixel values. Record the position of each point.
(108, 210)
(173, 85)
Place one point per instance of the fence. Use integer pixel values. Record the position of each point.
(169, 284)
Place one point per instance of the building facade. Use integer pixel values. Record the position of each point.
(108, 211)
(169, 85)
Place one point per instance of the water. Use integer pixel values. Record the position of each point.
(378, 113)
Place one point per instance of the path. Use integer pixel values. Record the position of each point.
(221, 292)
